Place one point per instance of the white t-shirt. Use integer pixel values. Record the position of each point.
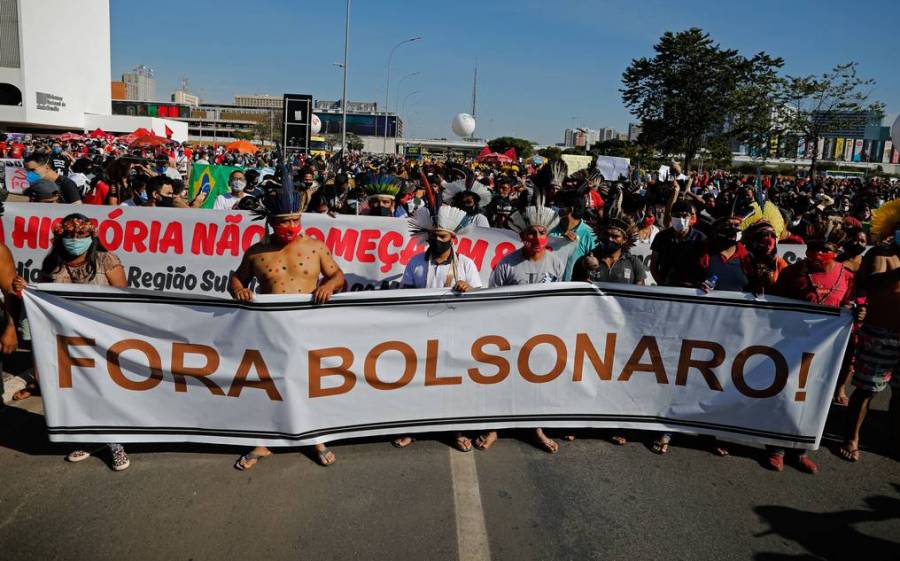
(654, 229)
(420, 273)
(225, 202)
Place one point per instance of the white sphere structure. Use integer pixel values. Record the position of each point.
(315, 124)
(463, 125)
(895, 133)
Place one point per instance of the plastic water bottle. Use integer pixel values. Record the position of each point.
(710, 283)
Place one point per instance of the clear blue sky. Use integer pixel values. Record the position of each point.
(542, 66)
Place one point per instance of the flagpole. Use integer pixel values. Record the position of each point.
(344, 95)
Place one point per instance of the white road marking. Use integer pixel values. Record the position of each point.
(471, 531)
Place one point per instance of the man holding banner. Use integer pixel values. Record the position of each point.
(286, 263)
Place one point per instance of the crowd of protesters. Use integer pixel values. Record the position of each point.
(712, 231)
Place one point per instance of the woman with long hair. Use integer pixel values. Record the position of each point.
(77, 256)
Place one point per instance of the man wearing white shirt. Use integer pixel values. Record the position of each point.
(236, 184)
(440, 266)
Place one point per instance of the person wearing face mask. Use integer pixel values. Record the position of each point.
(381, 193)
(162, 167)
(38, 166)
(647, 230)
(440, 266)
(78, 257)
(160, 192)
(676, 251)
(530, 264)
(237, 184)
(726, 259)
(570, 205)
(60, 160)
(286, 262)
(137, 186)
(468, 195)
(819, 279)
(851, 254)
(851, 258)
(308, 181)
(760, 239)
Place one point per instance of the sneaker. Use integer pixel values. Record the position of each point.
(120, 460)
(806, 465)
(78, 455)
(776, 462)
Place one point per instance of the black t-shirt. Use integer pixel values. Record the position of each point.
(679, 257)
(68, 190)
(59, 163)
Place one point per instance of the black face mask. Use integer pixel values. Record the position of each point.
(726, 238)
(437, 247)
(608, 247)
(470, 209)
(382, 211)
(165, 201)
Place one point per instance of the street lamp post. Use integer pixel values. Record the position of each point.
(400, 111)
(387, 88)
(344, 95)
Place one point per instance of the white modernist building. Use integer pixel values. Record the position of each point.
(42, 88)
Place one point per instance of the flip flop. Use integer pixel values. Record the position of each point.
(243, 463)
(661, 446)
(323, 457)
(850, 454)
(462, 444)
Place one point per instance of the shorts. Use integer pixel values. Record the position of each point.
(877, 355)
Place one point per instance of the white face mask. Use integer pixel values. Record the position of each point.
(681, 224)
(237, 185)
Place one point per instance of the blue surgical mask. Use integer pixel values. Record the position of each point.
(897, 237)
(57, 149)
(32, 177)
(143, 196)
(77, 246)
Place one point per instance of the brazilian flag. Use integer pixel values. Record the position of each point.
(213, 179)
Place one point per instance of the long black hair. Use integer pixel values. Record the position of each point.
(57, 257)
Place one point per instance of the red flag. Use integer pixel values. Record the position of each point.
(169, 132)
(484, 152)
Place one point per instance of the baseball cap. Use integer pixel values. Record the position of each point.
(42, 189)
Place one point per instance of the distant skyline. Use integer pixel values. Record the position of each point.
(542, 67)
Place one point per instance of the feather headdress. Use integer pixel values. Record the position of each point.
(769, 213)
(528, 217)
(885, 220)
(447, 218)
(382, 185)
(283, 202)
(623, 223)
(460, 187)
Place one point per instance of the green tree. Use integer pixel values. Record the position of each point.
(575, 151)
(693, 92)
(614, 147)
(812, 106)
(354, 142)
(524, 148)
(550, 152)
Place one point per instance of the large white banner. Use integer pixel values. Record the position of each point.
(139, 366)
(195, 250)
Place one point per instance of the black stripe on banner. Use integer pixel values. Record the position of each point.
(464, 298)
(234, 433)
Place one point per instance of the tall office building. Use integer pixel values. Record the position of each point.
(139, 84)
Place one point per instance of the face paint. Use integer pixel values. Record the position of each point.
(536, 246)
(285, 233)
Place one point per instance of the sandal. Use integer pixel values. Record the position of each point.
(850, 454)
(486, 440)
(326, 457)
(661, 445)
(249, 460)
(720, 451)
(840, 401)
(776, 462)
(463, 444)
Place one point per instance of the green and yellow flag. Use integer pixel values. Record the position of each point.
(213, 179)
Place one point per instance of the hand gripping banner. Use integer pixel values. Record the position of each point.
(139, 366)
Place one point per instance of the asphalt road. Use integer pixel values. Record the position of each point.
(593, 500)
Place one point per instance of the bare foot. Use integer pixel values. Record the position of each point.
(546, 443)
(618, 440)
(661, 445)
(403, 441)
(486, 440)
(849, 451)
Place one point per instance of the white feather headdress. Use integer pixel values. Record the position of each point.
(530, 216)
(479, 190)
(448, 218)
